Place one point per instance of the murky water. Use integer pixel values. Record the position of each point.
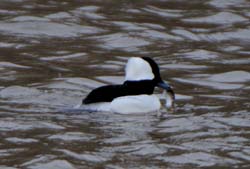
(52, 53)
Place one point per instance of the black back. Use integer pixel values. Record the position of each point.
(110, 92)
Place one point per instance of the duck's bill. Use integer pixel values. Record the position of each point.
(167, 88)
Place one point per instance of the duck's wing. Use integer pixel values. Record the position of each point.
(104, 94)
(110, 92)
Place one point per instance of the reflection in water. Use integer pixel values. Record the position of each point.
(52, 53)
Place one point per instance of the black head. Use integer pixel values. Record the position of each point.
(157, 77)
(155, 69)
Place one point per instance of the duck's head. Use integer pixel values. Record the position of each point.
(145, 68)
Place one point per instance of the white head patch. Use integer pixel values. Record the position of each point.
(138, 69)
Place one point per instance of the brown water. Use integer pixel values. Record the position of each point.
(52, 53)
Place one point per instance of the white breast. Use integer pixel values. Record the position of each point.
(135, 104)
(127, 105)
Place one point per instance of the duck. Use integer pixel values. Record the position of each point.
(135, 94)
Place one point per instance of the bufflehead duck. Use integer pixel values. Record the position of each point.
(135, 95)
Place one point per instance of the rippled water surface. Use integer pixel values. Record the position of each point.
(52, 53)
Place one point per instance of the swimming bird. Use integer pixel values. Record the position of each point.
(135, 95)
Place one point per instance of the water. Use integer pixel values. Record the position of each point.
(52, 53)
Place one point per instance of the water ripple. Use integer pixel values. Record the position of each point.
(53, 53)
